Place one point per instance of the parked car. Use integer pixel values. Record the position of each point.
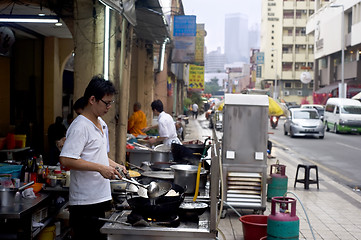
(304, 122)
(343, 115)
(320, 108)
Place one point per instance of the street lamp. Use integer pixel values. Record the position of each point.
(341, 90)
(275, 87)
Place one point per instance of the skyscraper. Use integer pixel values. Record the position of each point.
(236, 38)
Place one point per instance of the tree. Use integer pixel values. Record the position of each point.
(212, 87)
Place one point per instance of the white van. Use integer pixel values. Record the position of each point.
(343, 115)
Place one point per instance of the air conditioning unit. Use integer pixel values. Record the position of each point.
(299, 93)
(286, 93)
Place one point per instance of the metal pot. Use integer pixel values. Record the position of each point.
(186, 176)
(160, 156)
(7, 195)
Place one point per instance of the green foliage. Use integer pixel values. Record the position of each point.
(212, 87)
(187, 102)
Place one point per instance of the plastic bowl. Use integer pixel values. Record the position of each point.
(36, 187)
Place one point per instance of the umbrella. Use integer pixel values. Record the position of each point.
(219, 106)
(275, 108)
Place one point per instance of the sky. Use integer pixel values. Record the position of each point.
(212, 14)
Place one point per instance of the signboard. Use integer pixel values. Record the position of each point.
(260, 58)
(185, 25)
(199, 48)
(196, 77)
(184, 32)
(259, 72)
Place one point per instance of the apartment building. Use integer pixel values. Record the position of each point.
(288, 51)
(336, 26)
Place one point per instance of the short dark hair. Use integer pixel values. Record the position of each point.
(79, 104)
(99, 87)
(157, 105)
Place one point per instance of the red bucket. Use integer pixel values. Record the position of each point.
(254, 226)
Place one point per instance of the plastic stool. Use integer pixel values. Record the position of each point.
(307, 181)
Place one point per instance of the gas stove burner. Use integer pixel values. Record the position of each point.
(137, 219)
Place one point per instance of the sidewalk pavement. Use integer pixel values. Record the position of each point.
(333, 210)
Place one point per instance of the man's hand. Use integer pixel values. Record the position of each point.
(109, 172)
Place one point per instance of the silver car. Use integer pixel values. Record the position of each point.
(304, 122)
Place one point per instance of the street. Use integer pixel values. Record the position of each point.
(337, 155)
(332, 210)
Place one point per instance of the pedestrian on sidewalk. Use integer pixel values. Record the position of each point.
(195, 110)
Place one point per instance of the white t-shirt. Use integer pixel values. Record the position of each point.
(84, 140)
(195, 107)
(105, 130)
(166, 128)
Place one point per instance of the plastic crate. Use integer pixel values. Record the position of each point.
(14, 170)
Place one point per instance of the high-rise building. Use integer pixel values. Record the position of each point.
(288, 51)
(214, 62)
(236, 38)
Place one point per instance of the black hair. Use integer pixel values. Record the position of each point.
(157, 105)
(79, 104)
(99, 87)
(58, 119)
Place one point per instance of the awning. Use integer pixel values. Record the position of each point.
(124, 7)
(327, 89)
(151, 23)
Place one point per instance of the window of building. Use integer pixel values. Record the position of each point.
(311, 12)
(288, 14)
(287, 49)
(300, 31)
(272, 66)
(273, 44)
(286, 66)
(272, 37)
(298, 84)
(349, 22)
(310, 65)
(310, 85)
(287, 85)
(273, 31)
(298, 14)
(303, 31)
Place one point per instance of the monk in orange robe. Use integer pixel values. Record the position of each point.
(137, 121)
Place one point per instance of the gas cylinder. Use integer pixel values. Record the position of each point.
(283, 224)
(278, 183)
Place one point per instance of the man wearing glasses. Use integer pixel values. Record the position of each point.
(85, 153)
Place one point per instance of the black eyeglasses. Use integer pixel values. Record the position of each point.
(107, 104)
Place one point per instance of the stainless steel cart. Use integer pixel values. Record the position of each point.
(244, 151)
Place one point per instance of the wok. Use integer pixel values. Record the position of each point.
(191, 210)
(160, 166)
(163, 206)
